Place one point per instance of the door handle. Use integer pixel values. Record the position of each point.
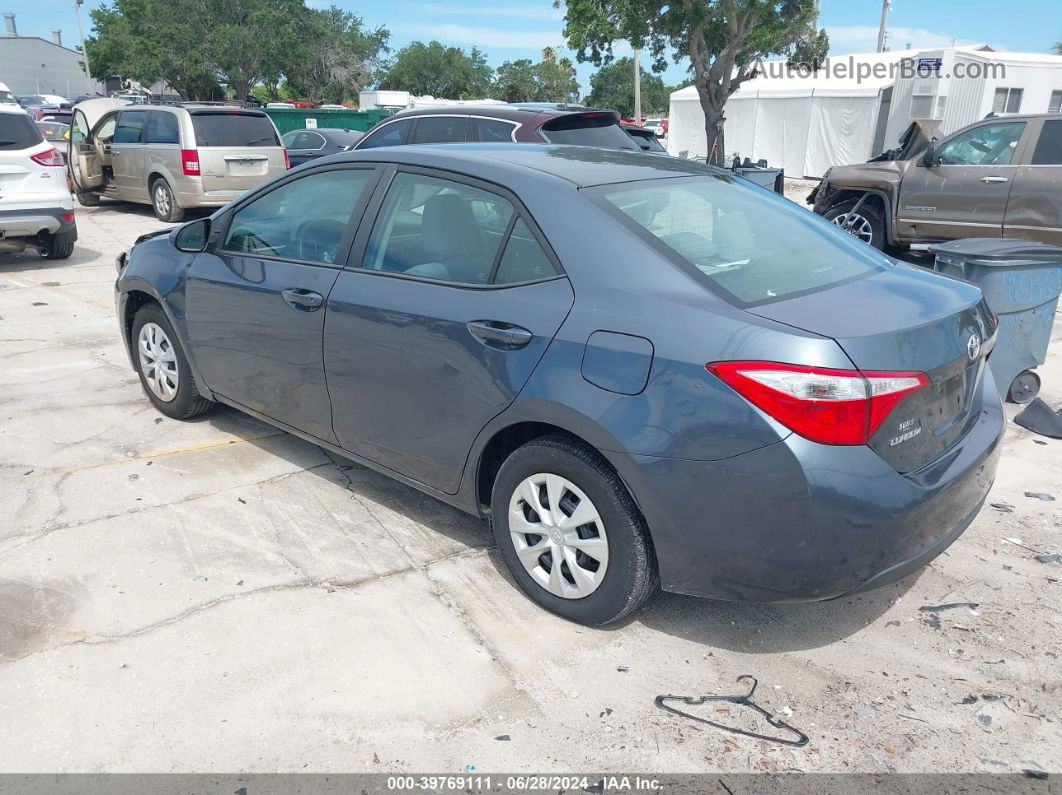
(303, 300)
(502, 333)
(994, 179)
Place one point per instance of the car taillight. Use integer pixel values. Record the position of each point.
(68, 218)
(287, 160)
(53, 157)
(841, 407)
(190, 162)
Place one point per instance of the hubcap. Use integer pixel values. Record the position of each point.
(162, 200)
(158, 361)
(558, 536)
(857, 225)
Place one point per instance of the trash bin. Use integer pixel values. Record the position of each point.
(1021, 281)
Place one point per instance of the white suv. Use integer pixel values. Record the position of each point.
(36, 207)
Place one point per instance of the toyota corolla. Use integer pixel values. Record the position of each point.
(642, 371)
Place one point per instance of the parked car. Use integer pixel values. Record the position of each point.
(638, 367)
(658, 126)
(645, 138)
(6, 97)
(500, 123)
(303, 145)
(1000, 177)
(54, 131)
(36, 208)
(172, 157)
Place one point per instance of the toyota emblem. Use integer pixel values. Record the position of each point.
(973, 347)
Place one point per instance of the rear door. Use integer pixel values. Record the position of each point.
(238, 149)
(438, 323)
(964, 192)
(1034, 211)
(84, 154)
(127, 154)
(255, 298)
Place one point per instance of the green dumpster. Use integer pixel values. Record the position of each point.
(288, 119)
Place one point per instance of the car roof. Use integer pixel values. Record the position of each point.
(10, 107)
(502, 111)
(582, 166)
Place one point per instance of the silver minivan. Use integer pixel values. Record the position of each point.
(172, 157)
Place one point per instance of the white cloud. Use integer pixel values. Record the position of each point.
(486, 37)
(544, 10)
(846, 39)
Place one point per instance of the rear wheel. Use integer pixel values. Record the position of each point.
(56, 247)
(163, 202)
(570, 533)
(865, 223)
(88, 199)
(163, 367)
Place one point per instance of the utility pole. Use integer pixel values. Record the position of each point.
(637, 89)
(81, 33)
(886, 5)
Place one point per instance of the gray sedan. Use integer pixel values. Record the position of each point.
(644, 372)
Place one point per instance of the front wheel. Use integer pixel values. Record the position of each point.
(1024, 387)
(163, 202)
(864, 223)
(569, 532)
(163, 367)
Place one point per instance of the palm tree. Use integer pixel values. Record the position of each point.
(549, 54)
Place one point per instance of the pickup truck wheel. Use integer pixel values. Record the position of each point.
(163, 202)
(865, 223)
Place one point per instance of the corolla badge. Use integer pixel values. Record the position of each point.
(973, 347)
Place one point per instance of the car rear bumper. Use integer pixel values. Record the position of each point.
(32, 222)
(799, 521)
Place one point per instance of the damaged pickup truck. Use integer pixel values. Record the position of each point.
(999, 177)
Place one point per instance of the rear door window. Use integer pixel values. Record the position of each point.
(1049, 147)
(491, 130)
(588, 129)
(227, 128)
(440, 130)
(17, 131)
(130, 126)
(524, 259)
(162, 128)
(749, 245)
(391, 134)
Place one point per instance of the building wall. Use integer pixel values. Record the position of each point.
(29, 65)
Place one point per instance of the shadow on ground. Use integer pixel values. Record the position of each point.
(748, 628)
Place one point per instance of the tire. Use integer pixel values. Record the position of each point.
(88, 199)
(1024, 387)
(164, 203)
(868, 224)
(56, 247)
(185, 402)
(630, 571)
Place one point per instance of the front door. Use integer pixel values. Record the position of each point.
(964, 191)
(438, 325)
(255, 298)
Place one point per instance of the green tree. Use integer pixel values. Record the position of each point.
(555, 79)
(515, 81)
(612, 86)
(724, 40)
(808, 53)
(1058, 48)
(438, 70)
(336, 56)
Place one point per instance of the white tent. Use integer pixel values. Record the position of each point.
(803, 124)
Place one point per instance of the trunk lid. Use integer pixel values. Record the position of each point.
(907, 319)
(238, 149)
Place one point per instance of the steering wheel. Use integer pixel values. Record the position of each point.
(318, 239)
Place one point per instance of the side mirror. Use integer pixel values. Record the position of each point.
(929, 157)
(192, 237)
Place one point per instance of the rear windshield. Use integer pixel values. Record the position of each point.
(749, 244)
(226, 128)
(591, 129)
(17, 131)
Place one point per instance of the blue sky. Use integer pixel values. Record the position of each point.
(509, 29)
